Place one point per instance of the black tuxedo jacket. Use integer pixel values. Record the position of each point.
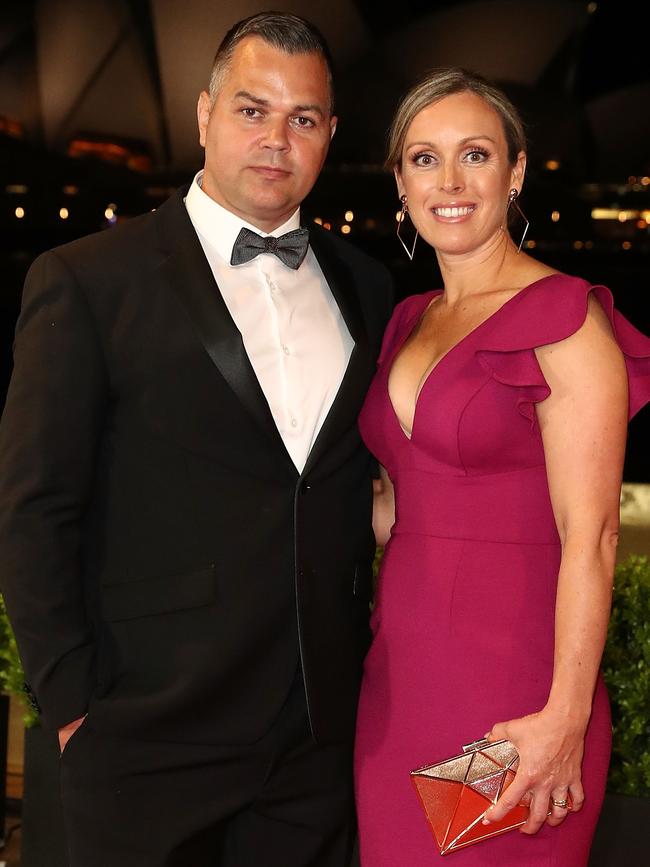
(164, 564)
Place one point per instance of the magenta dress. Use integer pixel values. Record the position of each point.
(464, 618)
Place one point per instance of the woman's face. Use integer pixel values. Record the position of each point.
(456, 174)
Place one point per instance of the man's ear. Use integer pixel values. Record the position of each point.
(333, 124)
(203, 109)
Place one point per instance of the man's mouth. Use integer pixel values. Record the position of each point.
(271, 171)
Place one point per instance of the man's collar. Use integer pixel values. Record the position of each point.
(219, 226)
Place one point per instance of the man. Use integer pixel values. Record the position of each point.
(185, 537)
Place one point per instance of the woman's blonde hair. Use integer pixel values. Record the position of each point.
(444, 82)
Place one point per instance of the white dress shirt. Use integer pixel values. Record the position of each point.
(293, 331)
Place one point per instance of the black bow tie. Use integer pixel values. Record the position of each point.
(290, 248)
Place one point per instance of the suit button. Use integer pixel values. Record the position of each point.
(305, 489)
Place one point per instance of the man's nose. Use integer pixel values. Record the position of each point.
(275, 136)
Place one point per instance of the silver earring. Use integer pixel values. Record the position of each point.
(512, 200)
(400, 220)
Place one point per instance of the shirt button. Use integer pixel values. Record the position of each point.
(286, 349)
(294, 422)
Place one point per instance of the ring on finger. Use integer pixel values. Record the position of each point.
(562, 803)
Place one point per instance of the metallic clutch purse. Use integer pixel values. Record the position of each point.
(456, 793)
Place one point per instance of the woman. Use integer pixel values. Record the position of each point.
(499, 413)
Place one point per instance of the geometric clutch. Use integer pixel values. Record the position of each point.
(456, 793)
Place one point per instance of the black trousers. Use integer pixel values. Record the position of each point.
(282, 802)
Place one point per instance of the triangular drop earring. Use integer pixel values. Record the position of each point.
(400, 219)
(512, 200)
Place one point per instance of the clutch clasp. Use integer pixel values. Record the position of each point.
(476, 745)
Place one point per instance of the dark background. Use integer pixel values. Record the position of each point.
(97, 112)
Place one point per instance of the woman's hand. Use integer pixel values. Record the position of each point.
(383, 510)
(550, 746)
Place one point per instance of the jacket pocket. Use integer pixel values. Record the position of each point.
(162, 595)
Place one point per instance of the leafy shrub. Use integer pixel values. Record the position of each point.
(12, 678)
(626, 666)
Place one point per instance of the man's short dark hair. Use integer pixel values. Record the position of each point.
(289, 33)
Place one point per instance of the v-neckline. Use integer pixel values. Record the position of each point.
(430, 298)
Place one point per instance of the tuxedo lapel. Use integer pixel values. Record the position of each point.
(341, 283)
(188, 272)
(346, 405)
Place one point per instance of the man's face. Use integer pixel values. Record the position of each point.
(267, 134)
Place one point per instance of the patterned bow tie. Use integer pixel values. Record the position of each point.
(290, 248)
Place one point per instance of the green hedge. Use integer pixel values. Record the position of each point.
(12, 678)
(626, 666)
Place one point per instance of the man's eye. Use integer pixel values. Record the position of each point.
(250, 112)
(303, 121)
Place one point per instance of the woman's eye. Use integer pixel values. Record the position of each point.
(476, 156)
(423, 160)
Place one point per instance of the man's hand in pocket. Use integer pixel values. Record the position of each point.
(66, 732)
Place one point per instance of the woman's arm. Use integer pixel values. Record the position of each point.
(383, 508)
(583, 424)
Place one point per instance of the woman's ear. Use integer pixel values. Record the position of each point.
(518, 171)
(398, 181)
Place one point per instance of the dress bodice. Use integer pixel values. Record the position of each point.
(475, 414)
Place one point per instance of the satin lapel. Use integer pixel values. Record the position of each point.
(187, 271)
(347, 404)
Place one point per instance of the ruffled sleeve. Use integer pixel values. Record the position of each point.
(547, 312)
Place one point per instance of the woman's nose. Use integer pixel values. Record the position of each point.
(451, 180)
